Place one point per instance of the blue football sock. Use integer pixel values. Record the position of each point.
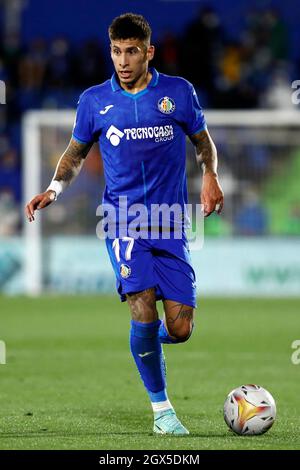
(147, 352)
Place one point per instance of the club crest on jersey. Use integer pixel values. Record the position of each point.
(166, 105)
(125, 271)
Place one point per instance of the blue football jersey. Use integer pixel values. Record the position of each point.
(142, 137)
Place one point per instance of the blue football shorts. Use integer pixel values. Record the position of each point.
(140, 264)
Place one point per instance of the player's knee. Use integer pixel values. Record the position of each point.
(181, 332)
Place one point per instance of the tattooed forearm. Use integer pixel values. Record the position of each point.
(206, 151)
(71, 162)
(143, 305)
(184, 313)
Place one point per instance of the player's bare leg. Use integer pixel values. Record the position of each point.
(148, 355)
(143, 306)
(178, 321)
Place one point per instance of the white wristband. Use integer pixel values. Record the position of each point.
(55, 186)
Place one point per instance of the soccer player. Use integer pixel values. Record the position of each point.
(141, 119)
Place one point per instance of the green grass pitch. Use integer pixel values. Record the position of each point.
(70, 381)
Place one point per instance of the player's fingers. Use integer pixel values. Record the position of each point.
(219, 207)
(206, 205)
(43, 203)
(35, 202)
(209, 207)
(47, 199)
(31, 207)
(29, 213)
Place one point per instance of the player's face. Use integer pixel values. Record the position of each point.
(131, 58)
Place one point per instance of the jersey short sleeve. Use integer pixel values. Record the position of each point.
(82, 130)
(195, 120)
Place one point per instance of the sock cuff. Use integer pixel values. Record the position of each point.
(145, 330)
(160, 406)
(160, 396)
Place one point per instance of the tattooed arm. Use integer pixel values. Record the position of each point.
(67, 169)
(206, 153)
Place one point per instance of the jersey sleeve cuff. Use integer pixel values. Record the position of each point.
(196, 131)
(81, 141)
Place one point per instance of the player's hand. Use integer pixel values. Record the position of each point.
(39, 202)
(212, 196)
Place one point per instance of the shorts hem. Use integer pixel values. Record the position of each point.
(189, 303)
(138, 289)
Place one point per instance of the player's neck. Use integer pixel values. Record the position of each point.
(139, 85)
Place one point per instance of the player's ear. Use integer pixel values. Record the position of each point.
(150, 52)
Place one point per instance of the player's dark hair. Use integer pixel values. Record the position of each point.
(129, 26)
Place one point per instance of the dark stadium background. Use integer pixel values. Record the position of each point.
(69, 381)
(236, 54)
